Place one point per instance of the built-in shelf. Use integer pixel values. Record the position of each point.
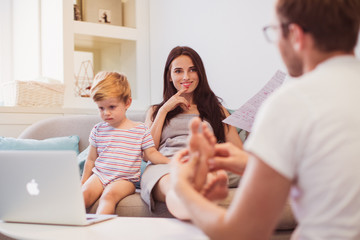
(105, 31)
(121, 48)
(108, 47)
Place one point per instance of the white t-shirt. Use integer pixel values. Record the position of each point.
(309, 132)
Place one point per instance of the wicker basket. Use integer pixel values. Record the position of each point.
(33, 93)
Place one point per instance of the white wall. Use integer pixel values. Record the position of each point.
(228, 36)
(26, 39)
(5, 41)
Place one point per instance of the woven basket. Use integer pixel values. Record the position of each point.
(33, 93)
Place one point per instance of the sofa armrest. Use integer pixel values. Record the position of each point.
(63, 126)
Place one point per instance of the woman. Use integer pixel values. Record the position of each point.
(186, 94)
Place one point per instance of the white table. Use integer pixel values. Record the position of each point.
(117, 228)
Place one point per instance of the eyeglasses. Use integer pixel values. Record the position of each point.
(271, 32)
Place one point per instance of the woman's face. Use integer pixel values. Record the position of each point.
(184, 74)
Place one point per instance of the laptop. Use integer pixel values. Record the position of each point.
(43, 187)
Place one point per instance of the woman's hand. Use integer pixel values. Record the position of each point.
(176, 100)
(228, 157)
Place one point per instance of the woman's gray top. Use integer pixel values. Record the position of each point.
(175, 134)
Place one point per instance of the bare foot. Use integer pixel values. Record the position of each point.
(216, 187)
(201, 138)
(201, 142)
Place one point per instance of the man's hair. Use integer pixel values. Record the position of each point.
(110, 85)
(334, 24)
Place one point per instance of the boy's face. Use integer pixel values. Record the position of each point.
(112, 111)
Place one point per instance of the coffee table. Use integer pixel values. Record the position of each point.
(117, 228)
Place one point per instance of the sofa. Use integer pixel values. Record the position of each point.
(131, 206)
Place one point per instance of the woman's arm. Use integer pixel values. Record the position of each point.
(154, 156)
(231, 134)
(156, 126)
(89, 164)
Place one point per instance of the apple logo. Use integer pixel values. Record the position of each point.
(32, 188)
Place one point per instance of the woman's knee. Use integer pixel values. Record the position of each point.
(161, 188)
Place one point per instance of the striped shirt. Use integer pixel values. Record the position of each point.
(119, 151)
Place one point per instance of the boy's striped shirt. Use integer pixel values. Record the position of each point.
(119, 151)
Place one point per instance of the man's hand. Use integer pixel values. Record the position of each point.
(228, 157)
(184, 168)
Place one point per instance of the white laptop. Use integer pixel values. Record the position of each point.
(43, 187)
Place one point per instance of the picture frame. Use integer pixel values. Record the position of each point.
(104, 11)
(77, 13)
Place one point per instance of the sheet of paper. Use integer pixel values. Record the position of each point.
(244, 116)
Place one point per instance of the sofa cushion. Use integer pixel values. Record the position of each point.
(56, 143)
(134, 206)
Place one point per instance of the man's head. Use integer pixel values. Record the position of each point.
(333, 26)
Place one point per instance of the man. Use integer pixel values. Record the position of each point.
(305, 140)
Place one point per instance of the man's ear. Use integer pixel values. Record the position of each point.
(296, 37)
(128, 103)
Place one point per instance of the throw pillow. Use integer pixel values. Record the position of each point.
(56, 143)
(82, 159)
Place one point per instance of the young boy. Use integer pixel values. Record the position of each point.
(116, 146)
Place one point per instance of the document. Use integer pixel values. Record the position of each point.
(244, 116)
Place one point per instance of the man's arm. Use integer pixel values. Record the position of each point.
(254, 211)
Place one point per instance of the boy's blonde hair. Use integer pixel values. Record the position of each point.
(110, 84)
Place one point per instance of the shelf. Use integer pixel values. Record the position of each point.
(105, 31)
(96, 42)
(69, 53)
(109, 54)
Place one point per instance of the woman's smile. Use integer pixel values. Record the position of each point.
(186, 84)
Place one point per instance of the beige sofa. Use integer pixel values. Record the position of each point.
(132, 205)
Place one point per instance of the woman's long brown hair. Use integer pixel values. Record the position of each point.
(207, 102)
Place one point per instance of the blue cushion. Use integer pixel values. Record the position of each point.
(82, 159)
(57, 143)
(143, 166)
